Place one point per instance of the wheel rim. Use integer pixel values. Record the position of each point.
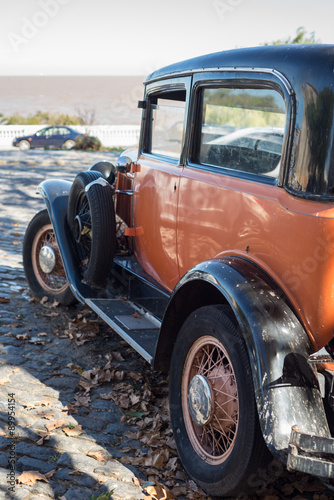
(210, 400)
(46, 261)
(24, 145)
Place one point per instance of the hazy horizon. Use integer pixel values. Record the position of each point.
(113, 98)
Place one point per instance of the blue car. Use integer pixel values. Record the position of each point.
(50, 137)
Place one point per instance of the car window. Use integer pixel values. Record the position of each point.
(242, 129)
(42, 132)
(166, 125)
(63, 131)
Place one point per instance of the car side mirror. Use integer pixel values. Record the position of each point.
(123, 164)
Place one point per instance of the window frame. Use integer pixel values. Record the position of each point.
(157, 89)
(241, 80)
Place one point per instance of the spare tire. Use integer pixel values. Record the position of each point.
(91, 218)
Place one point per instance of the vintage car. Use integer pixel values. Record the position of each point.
(219, 230)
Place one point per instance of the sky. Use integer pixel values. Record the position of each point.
(135, 37)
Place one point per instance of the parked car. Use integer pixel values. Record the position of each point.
(221, 235)
(49, 137)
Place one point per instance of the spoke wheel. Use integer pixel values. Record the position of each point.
(209, 378)
(46, 261)
(42, 262)
(212, 404)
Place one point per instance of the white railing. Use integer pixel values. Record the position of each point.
(109, 135)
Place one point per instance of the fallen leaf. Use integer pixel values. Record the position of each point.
(117, 356)
(31, 477)
(97, 455)
(158, 492)
(4, 381)
(136, 315)
(76, 431)
(56, 424)
(42, 440)
(51, 473)
(4, 300)
(44, 300)
(25, 336)
(75, 473)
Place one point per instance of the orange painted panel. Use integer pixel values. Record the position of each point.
(155, 210)
(292, 239)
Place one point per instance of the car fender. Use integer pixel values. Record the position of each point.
(55, 193)
(285, 384)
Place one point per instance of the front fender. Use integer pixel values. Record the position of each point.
(55, 194)
(285, 384)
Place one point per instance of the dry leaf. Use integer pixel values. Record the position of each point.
(41, 441)
(76, 431)
(4, 300)
(26, 336)
(4, 381)
(158, 492)
(56, 424)
(31, 477)
(51, 473)
(117, 356)
(136, 315)
(97, 455)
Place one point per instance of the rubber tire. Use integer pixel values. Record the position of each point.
(102, 216)
(24, 145)
(64, 296)
(249, 453)
(69, 144)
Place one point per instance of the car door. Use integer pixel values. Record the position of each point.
(228, 190)
(156, 183)
(41, 138)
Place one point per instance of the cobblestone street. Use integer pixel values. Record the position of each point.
(80, 412)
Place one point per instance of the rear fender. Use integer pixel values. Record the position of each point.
(285, 384)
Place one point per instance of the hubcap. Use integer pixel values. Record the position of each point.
(200, 400)
(77, 228)
(47, 259)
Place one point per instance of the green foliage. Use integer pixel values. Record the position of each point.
(302, 36)
(87, 142)
(41, 118)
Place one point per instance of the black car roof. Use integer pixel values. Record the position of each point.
(294, 61)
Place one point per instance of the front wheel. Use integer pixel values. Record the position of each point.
(42, 262)
(24, 145)
(212, 404)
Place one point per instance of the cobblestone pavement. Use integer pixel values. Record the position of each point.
(81, 397)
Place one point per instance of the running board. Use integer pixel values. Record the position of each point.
(140, 330)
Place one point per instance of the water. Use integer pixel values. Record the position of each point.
(111, 99)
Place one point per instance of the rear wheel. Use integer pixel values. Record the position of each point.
(91, 218)
(69, 144)
(42, 262)
(212, 404)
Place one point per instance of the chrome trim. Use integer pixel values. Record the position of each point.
(101, 181)
(229, 69)
(120, 191)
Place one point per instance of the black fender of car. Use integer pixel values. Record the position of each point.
(55, 193)
(285, 384)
